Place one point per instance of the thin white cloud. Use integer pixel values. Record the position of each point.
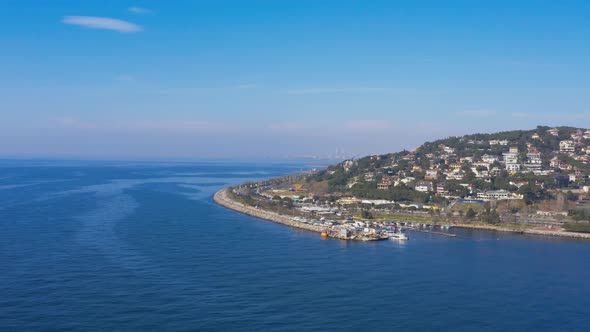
(477, 113)
(139, 10)
(106, 23)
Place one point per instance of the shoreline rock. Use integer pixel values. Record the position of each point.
(222, 199)
(526, 231)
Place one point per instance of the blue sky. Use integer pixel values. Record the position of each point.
(201, 79)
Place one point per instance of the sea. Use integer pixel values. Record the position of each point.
(130, 246)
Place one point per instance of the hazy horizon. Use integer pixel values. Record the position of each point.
(329, 156)
(261, 79)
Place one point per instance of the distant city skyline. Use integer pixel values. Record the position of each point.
(271, 79)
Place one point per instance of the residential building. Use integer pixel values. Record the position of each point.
(497, 195)
(456, 166)
(448, 150)
(486, 158)
(423, 186)
(534, 161)
(498, 142)
(511, 160)
(440, 188)
(513, 168)
(567, 146)
(370, 176)
(431, 174)
(466, 159)
(511, 157)
(384, 185)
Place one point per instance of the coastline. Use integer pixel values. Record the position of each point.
(541, 232)
(221, 198)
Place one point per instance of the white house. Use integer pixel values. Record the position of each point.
(498, 195)
(513, 168)
(511, 157)
(423, 186)
(486, 158)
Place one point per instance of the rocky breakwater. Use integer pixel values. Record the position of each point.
(542, 232)
(221, 197)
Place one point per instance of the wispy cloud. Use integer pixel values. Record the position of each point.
(483, 113)
(139, 10)
(106, 23)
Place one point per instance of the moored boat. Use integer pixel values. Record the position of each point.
(397, 236)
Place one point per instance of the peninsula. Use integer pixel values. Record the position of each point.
(527, 181)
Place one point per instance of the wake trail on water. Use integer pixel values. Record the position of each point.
(115, 204)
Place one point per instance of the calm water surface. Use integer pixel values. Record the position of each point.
(96, 246)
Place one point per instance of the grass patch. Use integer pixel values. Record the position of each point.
(466, 206)
(581, 228)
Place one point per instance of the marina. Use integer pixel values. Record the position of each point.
(348, 229)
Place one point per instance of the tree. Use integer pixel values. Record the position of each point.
(470, 213)
(366, 214)
(288, 203)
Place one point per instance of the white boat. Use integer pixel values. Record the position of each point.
(397, 236)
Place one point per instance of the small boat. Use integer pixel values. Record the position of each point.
(397, 236)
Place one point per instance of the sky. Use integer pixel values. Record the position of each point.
(117, 79)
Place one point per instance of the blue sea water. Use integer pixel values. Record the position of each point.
(141, 246)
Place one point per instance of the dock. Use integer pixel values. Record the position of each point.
(432, 232)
